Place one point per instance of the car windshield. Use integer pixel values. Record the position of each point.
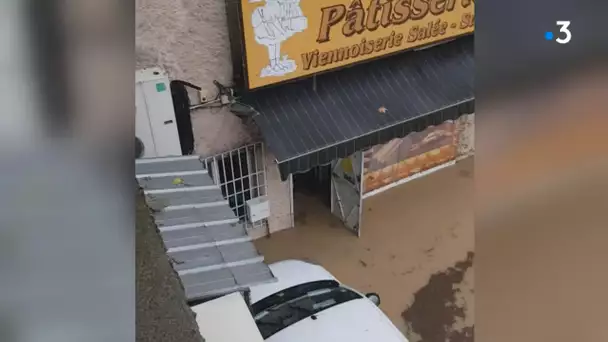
(298, 303)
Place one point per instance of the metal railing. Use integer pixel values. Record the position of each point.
(241, 175)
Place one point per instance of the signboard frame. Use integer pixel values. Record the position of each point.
(241, 72)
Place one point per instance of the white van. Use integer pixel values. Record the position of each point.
(308, 304)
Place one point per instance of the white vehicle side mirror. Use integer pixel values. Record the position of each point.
(374, 297)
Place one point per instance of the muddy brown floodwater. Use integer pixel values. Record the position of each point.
(447, 298)
(408, 234)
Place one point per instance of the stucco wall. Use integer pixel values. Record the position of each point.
(279, 197)
(189, 39)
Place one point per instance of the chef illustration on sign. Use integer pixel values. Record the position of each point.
(274, 23)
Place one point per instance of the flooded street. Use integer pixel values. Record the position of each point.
(415, 250)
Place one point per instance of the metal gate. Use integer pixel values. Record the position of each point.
(346, 191)
(241, 175)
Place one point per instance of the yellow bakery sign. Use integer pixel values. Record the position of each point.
(288, 39)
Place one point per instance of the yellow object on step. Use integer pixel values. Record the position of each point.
(178, 181)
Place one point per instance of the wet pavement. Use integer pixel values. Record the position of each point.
(415, 250)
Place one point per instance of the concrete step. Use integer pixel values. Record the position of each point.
(169, 164)
(179, 217)
(164, 229)
(202, 237)
(187, 198)
(209, 248)
(168, 182)
(226, 280)
(214, 258)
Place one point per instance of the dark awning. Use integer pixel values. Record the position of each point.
(305, 127)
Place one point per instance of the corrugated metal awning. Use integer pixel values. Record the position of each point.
(306, 125)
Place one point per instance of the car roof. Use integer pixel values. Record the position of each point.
(289, 273)
(357, 320)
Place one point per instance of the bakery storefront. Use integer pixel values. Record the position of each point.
(354, 97)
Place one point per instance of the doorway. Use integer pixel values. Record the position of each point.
(330, 194)
(312, 194)
(315, 183)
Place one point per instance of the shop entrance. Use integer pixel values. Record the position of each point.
(315, 183)
(333, 188)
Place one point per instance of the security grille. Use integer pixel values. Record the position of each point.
(241, 175)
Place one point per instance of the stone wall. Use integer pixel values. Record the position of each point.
(162, 313)
(189, 40)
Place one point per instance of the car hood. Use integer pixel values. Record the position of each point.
(358, 320)
(289, 273)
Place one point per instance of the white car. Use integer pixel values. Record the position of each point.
(308, 304)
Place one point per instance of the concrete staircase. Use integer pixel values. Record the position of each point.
(208, 246)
